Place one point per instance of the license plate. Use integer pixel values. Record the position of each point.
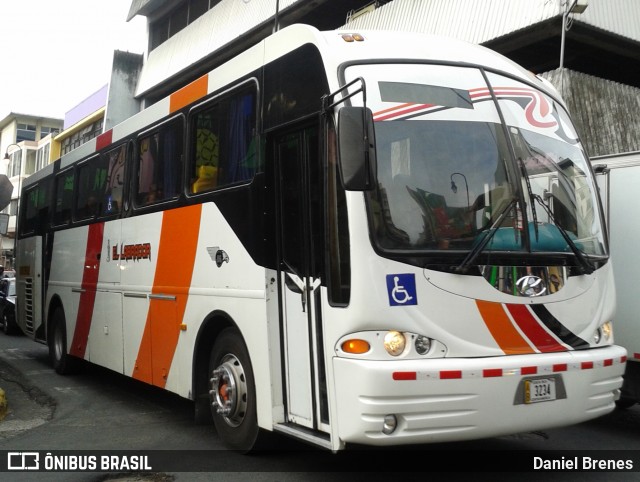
(539, 390)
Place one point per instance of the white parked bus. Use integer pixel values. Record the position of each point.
(351, 238)
(618, 177)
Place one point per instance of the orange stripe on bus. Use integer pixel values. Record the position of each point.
(174, 268)
(189, 93)
(501, 328)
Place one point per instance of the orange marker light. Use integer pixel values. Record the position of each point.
(356, 347)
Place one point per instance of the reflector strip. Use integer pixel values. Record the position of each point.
(501, 372)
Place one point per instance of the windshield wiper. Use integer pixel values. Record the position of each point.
(586, 264)
(473, 254)
(525, 175)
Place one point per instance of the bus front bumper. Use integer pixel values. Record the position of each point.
(443, 400)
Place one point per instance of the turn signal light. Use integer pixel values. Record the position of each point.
(356, 346)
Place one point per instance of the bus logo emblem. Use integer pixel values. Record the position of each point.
(401, 289)
(531, 286)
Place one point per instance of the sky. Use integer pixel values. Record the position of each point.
(55, 54)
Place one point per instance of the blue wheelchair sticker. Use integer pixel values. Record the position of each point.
(401, 289)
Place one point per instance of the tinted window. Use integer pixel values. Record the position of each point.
(63, 198)
(37, 209)
(159, 164)
(223, 142)
(115, 161)
(294, 86)
(92, 178)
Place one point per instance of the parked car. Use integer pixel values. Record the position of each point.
(8, 305)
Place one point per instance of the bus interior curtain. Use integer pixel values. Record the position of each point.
(241, 164)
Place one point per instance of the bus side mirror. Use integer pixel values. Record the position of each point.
(356, 148)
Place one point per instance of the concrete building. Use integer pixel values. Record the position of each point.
(25, 140)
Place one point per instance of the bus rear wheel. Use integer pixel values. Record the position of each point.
(62, 362)
(232, 392)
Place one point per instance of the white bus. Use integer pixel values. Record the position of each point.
(617, 177)
(350, 238)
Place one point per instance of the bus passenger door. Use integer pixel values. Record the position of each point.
(299, 189)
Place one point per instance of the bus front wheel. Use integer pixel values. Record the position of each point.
(232, 392)
(62, 362)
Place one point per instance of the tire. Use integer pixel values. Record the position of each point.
(232, 392)
(7, 323)
(62, 362)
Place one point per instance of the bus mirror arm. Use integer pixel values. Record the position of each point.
(356, 148)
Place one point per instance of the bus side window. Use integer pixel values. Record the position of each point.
(160, 164)
(223, 142)
(92, 177)
(207, 151)
(63, 198)
(37, 209)
(114, 185)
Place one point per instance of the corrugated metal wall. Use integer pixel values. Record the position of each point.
(606, 113)
(479, 21)
(475, 21)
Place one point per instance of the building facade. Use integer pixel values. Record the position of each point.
(25, 146)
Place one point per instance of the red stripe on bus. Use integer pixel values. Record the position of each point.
(502, 329)
(449, 374)
(174, 268)
(533, 330)
(528, 370)
(88, 295)
(560, 367)
(189, 93)
(404, 375)
(103, 140)
(492, 372)
(586, 365)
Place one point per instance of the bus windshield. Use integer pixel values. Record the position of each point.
(463, 154)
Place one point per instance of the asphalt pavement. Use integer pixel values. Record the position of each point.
(25, 405)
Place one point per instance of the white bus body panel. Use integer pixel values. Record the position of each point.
(619, 191)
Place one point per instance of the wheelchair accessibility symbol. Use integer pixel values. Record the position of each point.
(401, 289)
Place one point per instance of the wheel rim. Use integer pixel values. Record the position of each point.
(229, 390)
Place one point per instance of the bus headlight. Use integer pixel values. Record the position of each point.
(422, 344)
(394, 343)
(604, 333)
(389, 344)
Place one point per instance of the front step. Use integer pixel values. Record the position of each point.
(304, 434)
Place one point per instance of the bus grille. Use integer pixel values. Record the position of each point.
(28, 305)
